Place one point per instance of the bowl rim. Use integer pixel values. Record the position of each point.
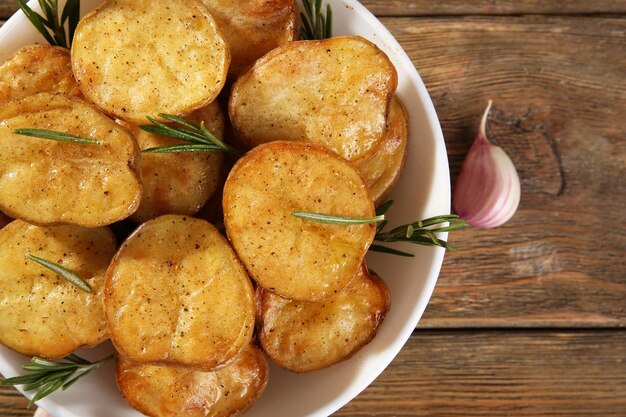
(18, 20)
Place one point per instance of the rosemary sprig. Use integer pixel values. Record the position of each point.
(332, 219)
(48, 376)
(58, 136)
(316, 25)
(198, 137)
(422, 232)
(62, 271)
(50, 25)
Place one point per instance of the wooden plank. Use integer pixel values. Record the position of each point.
(490, 7)
(490, 373)
(7, 8)
(458, 7)
(501, 373)
(560, 100)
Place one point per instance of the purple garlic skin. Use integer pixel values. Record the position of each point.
(488, 190)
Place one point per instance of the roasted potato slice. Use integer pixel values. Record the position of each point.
(306, 336)
(37, 69)
(165, 391)
(176, 294)
(140, 58)
(335, 93)
(42, 313)
(382, 171)
(180, 183)
(296, 258)
(254, 27)
(49, 182)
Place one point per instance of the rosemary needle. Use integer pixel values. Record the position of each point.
(422, 232)
(198, 137)
(316, 25)
(48, 376)
(62, 271)
(58, 136)
(334, 219)
(50, 25)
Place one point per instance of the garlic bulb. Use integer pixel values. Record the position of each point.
(487, 192)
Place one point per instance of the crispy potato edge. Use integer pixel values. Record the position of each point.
(196, 106)
(226, 196)
(247, 74)
(133, 164)
(262, 301)
(108, 293)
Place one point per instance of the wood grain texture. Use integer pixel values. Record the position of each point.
(489, 373)
(7, 8)
(12, 403)
(559, 94)
(501, 373)
(491, 7)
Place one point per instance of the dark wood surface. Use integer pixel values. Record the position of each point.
(528, 319)
(559, 91)
(492, 7)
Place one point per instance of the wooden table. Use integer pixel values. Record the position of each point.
(528, 319)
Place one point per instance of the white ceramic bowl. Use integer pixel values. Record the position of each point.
(423, 191)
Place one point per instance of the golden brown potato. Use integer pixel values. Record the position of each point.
(49, 182)
(138, 58)
(180, 183)
(382, 171)
(37, 69)
(306, 336)
(335, 93)
(292, 257)
(165, 391)
(176, 294)
(253, 27)
(42, 313)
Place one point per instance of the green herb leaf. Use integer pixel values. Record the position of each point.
(316, 25)
(58, 136)
(71, 13)
(63, 272)
(48, 376)
(50, 25)
(198, 137)
(385, 249)
(334, 219)
(38, 21)
(422, 232)
(384, 208)
(184, 147)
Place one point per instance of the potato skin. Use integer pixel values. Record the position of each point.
(37, 69)
(305, 336)
(382, 171)
(180, 183)
(335, 93)
(159, 391)
(292, 257)
(177, 295)
(42, 313)
(138, 58)
(48, 182)
(254, 27)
